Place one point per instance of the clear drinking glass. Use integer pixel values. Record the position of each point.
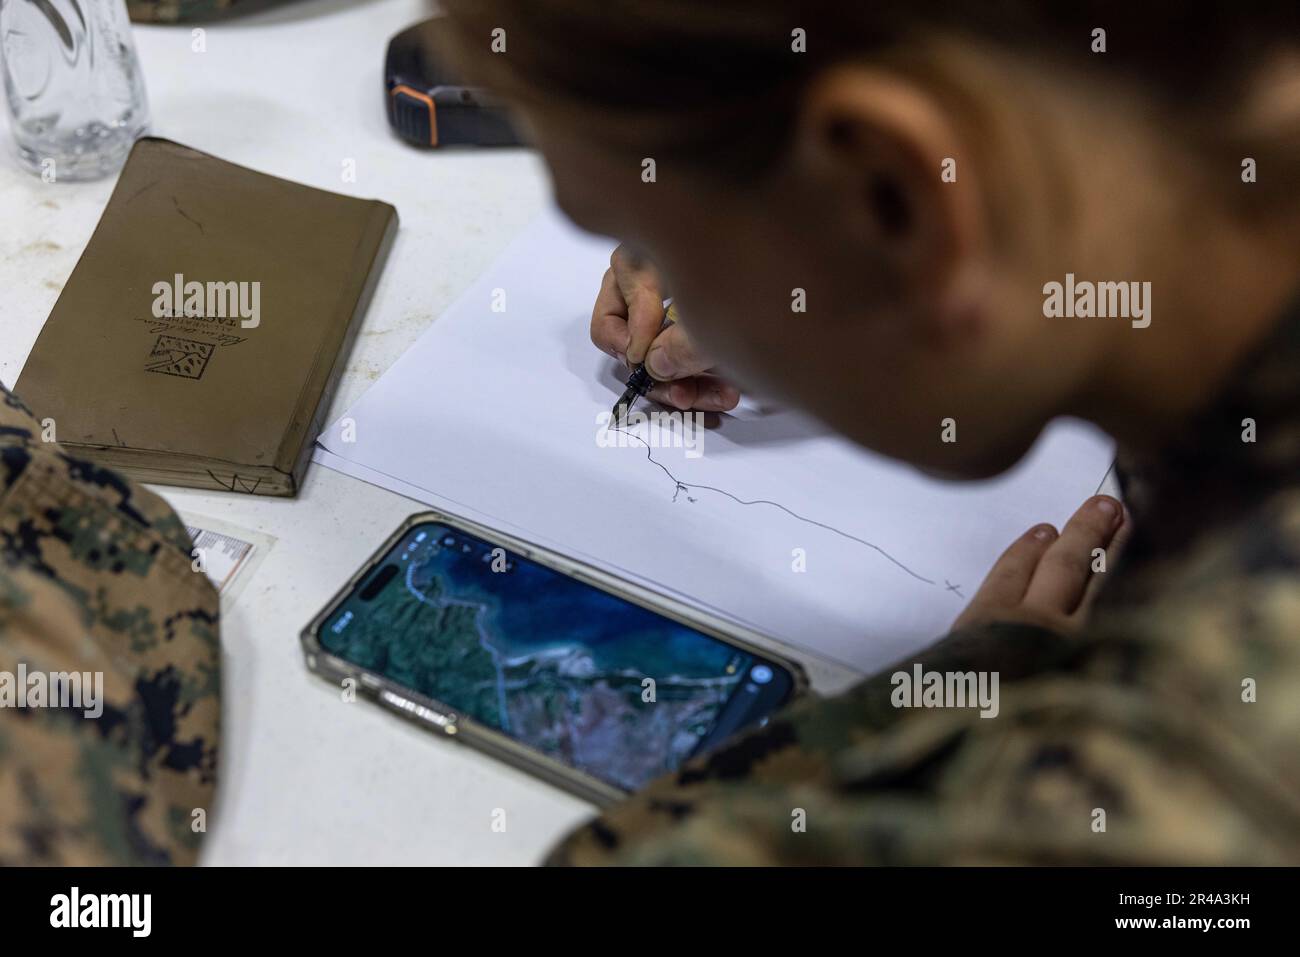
(73, 84)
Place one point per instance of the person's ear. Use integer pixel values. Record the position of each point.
(884, 155)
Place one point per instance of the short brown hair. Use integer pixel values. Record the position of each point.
(723, 74)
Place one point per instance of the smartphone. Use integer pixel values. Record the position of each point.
(557, 667)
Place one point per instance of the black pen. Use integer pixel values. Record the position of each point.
(639, 382)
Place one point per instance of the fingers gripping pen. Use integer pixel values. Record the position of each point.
(640, 381)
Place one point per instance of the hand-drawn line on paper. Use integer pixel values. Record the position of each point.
(687, 486)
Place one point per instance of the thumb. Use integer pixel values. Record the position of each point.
(672, 356)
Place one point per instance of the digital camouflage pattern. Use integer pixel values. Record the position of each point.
(1147, 716)
(96, 576)
(174, 11)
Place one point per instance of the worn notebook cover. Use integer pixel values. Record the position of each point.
(200, 337)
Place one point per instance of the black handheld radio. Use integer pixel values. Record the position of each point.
(427, 106)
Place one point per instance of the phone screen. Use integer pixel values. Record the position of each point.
(587, 678)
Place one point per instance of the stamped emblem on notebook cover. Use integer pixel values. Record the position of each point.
(186, 358)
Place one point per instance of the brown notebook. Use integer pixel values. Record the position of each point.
(200, 338)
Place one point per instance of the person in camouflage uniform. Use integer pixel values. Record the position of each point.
(96, 576)
(1174, 712)
(860, 210)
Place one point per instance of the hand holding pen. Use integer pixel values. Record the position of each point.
(628, 322)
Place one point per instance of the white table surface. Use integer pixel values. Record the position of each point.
(305, 777)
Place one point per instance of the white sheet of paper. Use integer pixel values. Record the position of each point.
(494, 415)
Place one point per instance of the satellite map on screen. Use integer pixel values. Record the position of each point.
(553, 663)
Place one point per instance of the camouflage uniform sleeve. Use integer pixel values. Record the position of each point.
(177, 11)
(96, 581)
(1081, 764)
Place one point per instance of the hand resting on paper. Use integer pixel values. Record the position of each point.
(1048, 578)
